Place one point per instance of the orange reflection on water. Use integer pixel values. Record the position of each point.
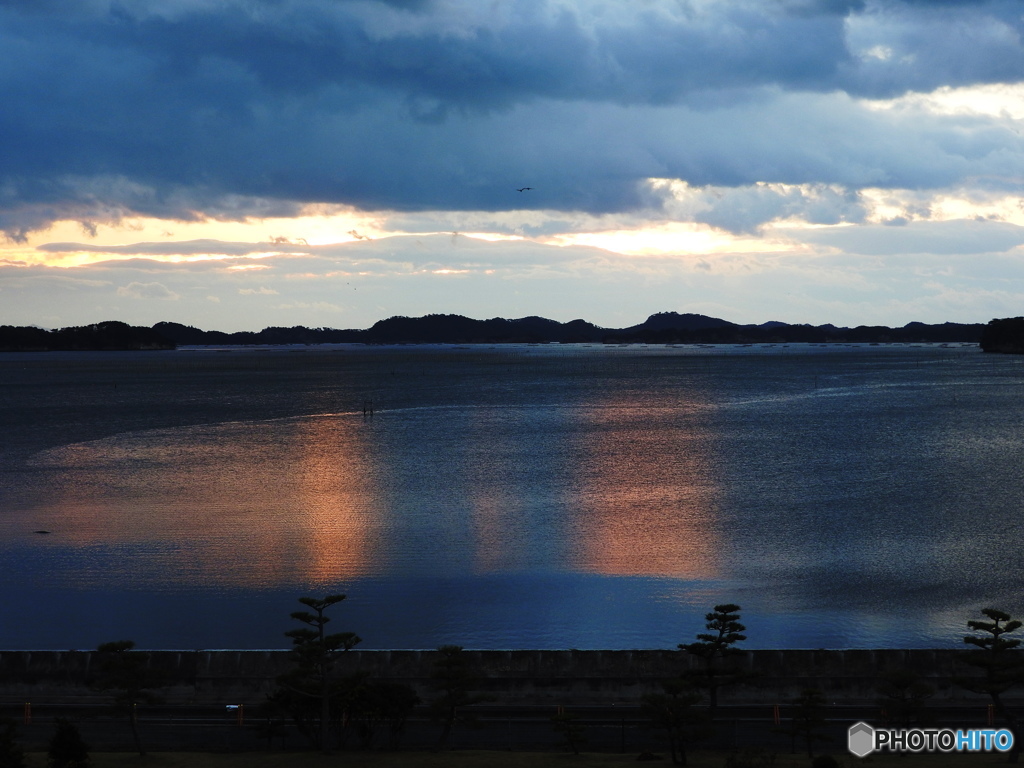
(227, 504)
(644, 498)
(336, 500)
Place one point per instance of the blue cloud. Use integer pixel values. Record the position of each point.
(231, 109)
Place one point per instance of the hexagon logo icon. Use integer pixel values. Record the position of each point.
(861, 739)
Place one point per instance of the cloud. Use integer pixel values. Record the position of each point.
(261, 291)
(30, 203)
(828, 275)
(174, 248)
(147, 291)
(745, 209)
(412, 250)
(934, 238)
(315, 307)
(234, 110)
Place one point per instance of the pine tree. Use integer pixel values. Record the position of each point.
(127, 674)
(314, 653)
(1002, 666)
(714, 648)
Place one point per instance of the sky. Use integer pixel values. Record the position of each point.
(238, 164)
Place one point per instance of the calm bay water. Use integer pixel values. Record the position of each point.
(512, 497)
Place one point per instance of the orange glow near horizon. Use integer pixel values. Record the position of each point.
(318, 225)
(335, 225)
(672, 239)
(304, 232)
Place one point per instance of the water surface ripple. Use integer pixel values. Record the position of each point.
(511, 497)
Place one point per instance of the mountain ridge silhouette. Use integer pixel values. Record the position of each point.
(659, 328)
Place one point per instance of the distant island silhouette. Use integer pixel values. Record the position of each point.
(999, 335)
(659, 328)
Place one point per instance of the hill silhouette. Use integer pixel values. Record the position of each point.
(660, 328)
(111, 335)
(1005, 335)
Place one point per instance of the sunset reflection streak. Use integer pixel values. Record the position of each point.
(644, 501)
(230, 504)
(336, 500)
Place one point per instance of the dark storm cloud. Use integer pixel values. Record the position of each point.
(190, 109)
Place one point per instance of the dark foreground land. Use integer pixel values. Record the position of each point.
(502, 738)
(211, 712)
(489, 759)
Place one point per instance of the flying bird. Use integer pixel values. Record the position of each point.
(523, 189)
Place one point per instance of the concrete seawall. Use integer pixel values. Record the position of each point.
(512, 677)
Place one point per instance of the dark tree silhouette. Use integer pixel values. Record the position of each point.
(454, 678)
(672, 711)
(1004, 335)
(715, 648)
(127, 674)
(808, 720)
(314, 653)
(11, 753)
(67, 750)
(373, 704)
(902, 695)
(271, 723)
(1001, 665)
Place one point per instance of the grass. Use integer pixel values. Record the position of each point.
(492, 759)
